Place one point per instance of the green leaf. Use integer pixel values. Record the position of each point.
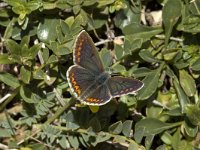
(25, 75)
(176, 141)
(190, 129)
(95, 124)
(187, 83)
(39, 74)
(183, 99)
(94, 109)
(196, 65)
(67, 29)
(83, 19)
(170, 15)
(89, 2)
(9, 80)
(52, 59)
(36, 146)
(119, 51)
(25, 41)
(25, 51)
(152, 126)
(64, 142)
(175, 112)
(193, 114)
(150, 84)
(116, 128)
(127, 16)
(85, 137)
(83, 142)
(140, 31)
(33, 5)
(104, 3)
(92, 23)
(72, 125)
(9, 29)
(166, 138)
(149, 141)
(45, 54)
(136, 34)
(133, 146)
(141, 72)
(170, 54)
(34, 50)
(19, 8)
(153, 111)
(147, 56)
(13, 47)
(26, 94)
(102, 136)
(127, 126)
(73, 140)
(190, 24)
(118, 68)
(105, 57)
(60, 35)
(139, 134)
(69, 22)
(76, 9)
(45, 30)
(119, 139)
(60, 49)
(4, 59)
(131, 44)
(5, 133)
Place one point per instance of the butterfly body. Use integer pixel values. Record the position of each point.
(88, 80)
(102, 78)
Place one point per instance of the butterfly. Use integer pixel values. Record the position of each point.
(88, 80)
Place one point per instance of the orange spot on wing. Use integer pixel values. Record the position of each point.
(81, 43)
(78, 53)
(122, 91)
(127, 90)
(74, 84)
(79, 47)
(95, 100)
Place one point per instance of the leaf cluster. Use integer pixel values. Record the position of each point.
(37, 109)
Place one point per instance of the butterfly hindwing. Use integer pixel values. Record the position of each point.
(99, 96)
(79, 79)
(86, 55)
(121, 85)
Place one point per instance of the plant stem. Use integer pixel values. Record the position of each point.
(60, 111)
(9, 99)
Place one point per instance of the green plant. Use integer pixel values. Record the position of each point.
(37, 109)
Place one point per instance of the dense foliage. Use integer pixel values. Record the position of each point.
(155, 41)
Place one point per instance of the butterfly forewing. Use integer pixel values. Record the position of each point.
(86, 55)
(79, 79)
(120, 85)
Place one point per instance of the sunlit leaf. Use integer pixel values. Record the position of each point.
(171, 17)
(9, 79)
(187, 83)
